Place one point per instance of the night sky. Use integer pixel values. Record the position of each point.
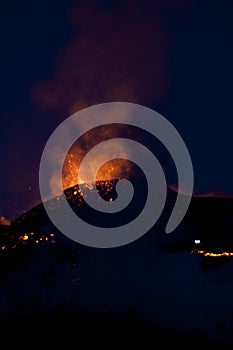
(59, 56)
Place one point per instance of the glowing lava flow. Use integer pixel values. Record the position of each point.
(114, 169)
(29, 237)
(211, 254)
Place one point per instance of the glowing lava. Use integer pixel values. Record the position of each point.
(212, 254)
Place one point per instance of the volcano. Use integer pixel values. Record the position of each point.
(175, 288)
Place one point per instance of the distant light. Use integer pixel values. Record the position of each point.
(197, 241)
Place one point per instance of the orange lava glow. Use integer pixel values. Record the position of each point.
(114, 169)
(211, 254)
(4, 221)
(98, 169)
(28, 238)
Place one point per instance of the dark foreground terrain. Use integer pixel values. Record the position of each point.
(161, 289)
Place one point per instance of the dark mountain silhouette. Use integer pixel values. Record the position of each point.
(208, 219)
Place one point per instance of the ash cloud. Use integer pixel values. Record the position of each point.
(120, 52)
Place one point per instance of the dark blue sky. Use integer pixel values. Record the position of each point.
(185, 74)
